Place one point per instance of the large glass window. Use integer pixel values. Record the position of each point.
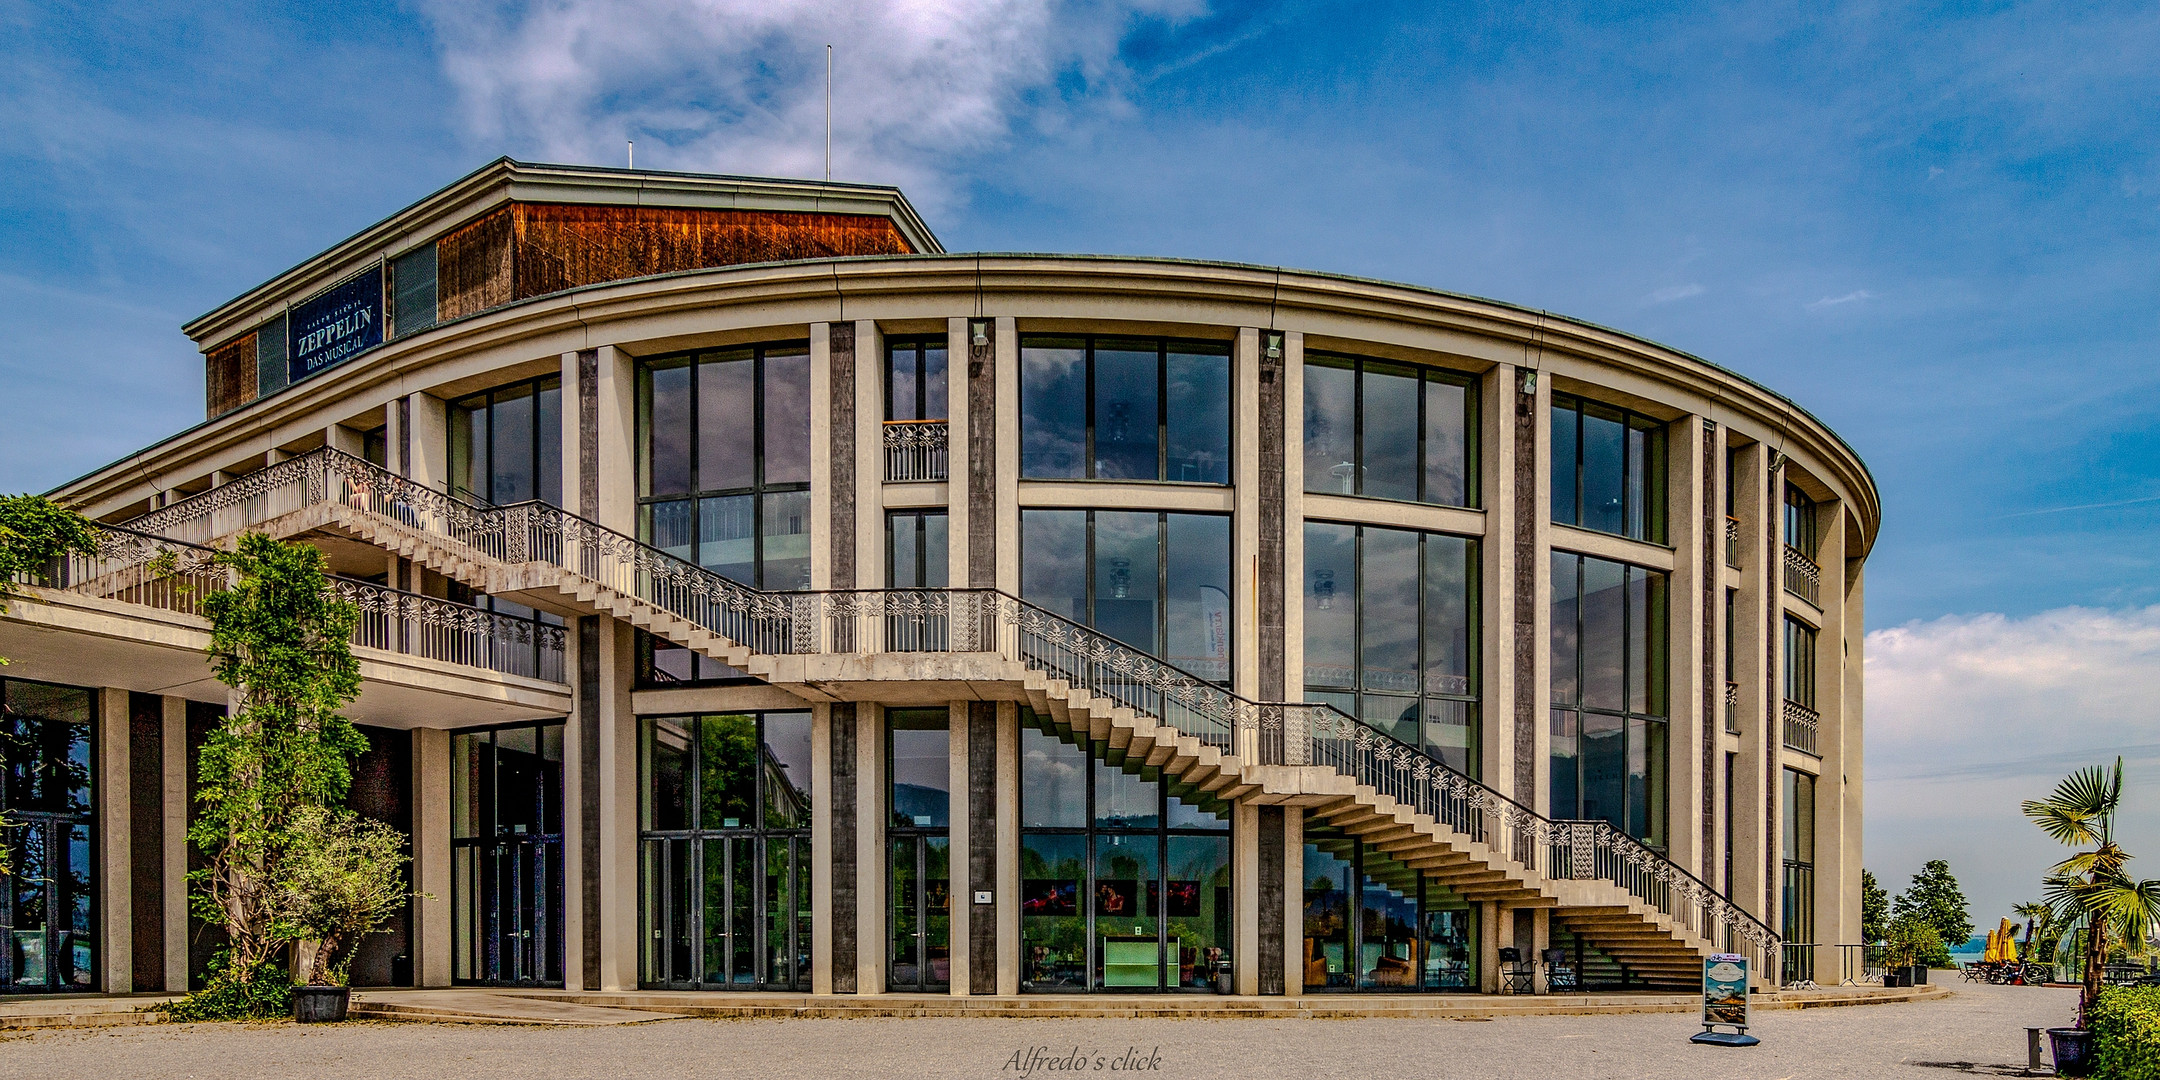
(1390, 430)
(724, 461)
(1798, 907)
(506, 855)
(1125, 878)
(916, 557)
(724, 851)
(47, 900)
(1609, 713)
(918, 759)
(1157, 582)
(1372, 923)
(1391, 634)
(1800, 530)
(915, 378)
(1608, 469)
(1799, 663)
(506, 444)
(1125, 409)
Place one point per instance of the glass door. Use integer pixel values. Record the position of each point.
(921, 912)
(45, 784)
(506, 853)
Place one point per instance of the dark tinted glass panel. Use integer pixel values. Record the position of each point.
(1388, 611)
(1053, 408)
(667, 775)
(727, 400)
(1566, 434)
(1127, 411)
(785, 770)
(1604, 769)
(1447, 443)
(1126, 800)
(727, 530)
(933, 382)
(469, 449)
(670, 527)
(1053, 782)
(512, 442)
(1126, 553)
(547, 440)
(936, 559)
(1330, 426)
(1197, 608)
(1603, 469)
(412, 281)
(1604, 634)
(1198, 417)
(787, 540)
(1330, 605)
(787, 417)
(1391, 431)
(1566, 752)
(1565, 628)
(1450, 614)
(921, 768)
(903, 547)
(667, 429)
(1053, 566)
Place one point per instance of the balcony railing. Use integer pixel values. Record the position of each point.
(171, 575)
(1802, 577)
(1800, 725)
(1732, 542)
(1732, 707)
(985, 621)
(915, 450)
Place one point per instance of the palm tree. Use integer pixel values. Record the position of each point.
(2091, 890)
(2038, 919)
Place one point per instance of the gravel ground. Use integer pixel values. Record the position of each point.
(1980, 1030)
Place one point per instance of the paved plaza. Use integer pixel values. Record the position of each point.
(1978, 1030)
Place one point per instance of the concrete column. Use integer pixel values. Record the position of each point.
(1686, 800)
(577, 781)
(869, 456)
(615, 435)
(1540, 940)
(821, 849)
(344, 439)
(428, 443)
(618, 810)
(431, 944)
(821, 454)
(1006, 485)
(394, 436)
(1751, 671)
(1850, 763)
(1245, 523)
(1532, 553)
(173, 796)
(1293, 540)
(1008, 847)
(1837, 907)
(1490, 929)
(114, 826)
(1497, 655)
(871, 902)
(956, 452)
(1293, 913)
(960, 885)
(1245, 878)
(570, 430)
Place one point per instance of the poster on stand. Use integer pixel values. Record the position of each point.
(1725, 990)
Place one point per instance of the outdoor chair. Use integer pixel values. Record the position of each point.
(1521, 975)
(1560, 976)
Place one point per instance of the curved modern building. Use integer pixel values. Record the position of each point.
(757, 597)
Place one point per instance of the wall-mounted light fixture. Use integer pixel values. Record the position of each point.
(979, 332)
(1274, 346)
(1529, 381)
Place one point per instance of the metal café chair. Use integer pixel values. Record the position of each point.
(1521, 976)
(1560, 975)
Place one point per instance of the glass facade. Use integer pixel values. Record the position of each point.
(918, 757)
(915, 378)
(1390, 430)
(506, 444)
(1799, 662)
(915, 552)
(724, 476)
(1372, 923)
(1157, 582)
(1391, 634)
(1125, 881)
(1104, 408)
(1800, 531)
(724, 851)
(47, 904)
(1608, 469)
(506, 855)
(1797, 898)
(1609, 662)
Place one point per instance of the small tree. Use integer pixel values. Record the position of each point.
(1935, 898)
(1912, 941)
(34, 531)
(281, 641)
(339, 879)
(2039, 919)
(1874, 909)
(2091, 893)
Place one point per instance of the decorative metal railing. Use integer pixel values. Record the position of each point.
(1732, 708)
(985, 621)
(136, 568)
(915, 450)
(1801, 723)
(1732, 542)
(1802, 577)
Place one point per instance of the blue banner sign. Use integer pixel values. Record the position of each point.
(336, 325)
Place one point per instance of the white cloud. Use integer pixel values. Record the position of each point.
(737, 86)
(1670, 293)
(1969, 715)
(1852, 297)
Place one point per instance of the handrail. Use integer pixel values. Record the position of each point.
(866, 621)
(915, 449)
(173, 575)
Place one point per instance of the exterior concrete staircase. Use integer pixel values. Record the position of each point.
(1650, 916)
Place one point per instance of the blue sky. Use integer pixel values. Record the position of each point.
(1933, 225)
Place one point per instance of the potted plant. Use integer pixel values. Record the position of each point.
(1907, 946)
(2096, 905)
(340, 878)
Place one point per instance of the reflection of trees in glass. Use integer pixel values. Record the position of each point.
(728, 779)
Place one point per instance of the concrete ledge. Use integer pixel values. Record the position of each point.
(81, 1011)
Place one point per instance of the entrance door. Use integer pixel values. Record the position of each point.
(45, 785)
(752, 929)
(921, 912)
(507, 852)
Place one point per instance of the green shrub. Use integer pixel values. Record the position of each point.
(264, 993)
(2126, 1033)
